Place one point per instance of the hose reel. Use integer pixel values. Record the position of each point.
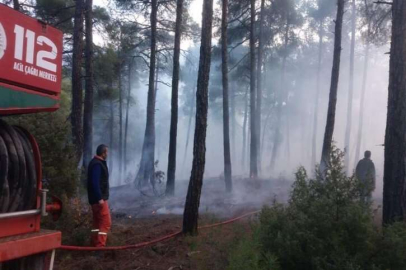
(18, 173)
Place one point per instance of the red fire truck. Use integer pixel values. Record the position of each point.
(30, 82)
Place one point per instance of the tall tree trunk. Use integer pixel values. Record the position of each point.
(317, 101)
(350, 91)
(120, 123)
(192, 113)
(88, 108)
(394, 193)
(253, 150)
(77, 93)
(244, 132)
(146, 171)
(16, 5)
(111, 143)
(170, 183)
(362, 103)
(281, 96)
(364, 86)
(157, 125)
(232, 120)
(191, 214)
(226, 118)
(127, 114)
(259, 79)
(335, 74)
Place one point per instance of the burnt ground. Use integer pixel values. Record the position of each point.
(140, 216)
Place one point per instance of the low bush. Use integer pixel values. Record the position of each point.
(325, 225)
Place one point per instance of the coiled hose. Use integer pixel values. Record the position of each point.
(18, 175)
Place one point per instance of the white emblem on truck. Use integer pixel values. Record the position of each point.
(3, 41)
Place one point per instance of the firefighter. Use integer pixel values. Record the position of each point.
(365, 172)
(98, 194)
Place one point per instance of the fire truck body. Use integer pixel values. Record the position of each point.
(30, 82)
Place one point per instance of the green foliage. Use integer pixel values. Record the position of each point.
(390, 250)
(325, 225)
(248, 255)
(52, 132)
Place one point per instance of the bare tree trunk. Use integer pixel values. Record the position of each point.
(268, 115)
(226, 118)
(191, 214)
(232, 108)
(111, 143)
(335, 74)
(157, 125)
(170, 183)
(394, 196)
(363, 90)
(253, 151)
(77, 93)
(88, 108)
(280, 98)
(126, 115)
(192, 112)
(120, 121)
(259, 80)
(362, 105)
(350, 91)
(146, 171)
(317, 101)
(244, 132)
(16, 5)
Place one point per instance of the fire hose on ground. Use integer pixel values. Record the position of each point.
(157, 240)
(18, 185)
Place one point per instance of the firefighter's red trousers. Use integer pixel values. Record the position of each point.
(101, 224)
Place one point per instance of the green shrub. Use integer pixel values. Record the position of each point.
(325, 225)
(247, 255)
(390, 248)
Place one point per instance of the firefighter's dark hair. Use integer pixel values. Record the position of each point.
(101, 149)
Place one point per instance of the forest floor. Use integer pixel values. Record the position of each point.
(139, 217)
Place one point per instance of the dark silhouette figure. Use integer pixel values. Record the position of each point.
(365, 172)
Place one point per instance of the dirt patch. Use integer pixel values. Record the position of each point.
(209, 250)
(139, 217)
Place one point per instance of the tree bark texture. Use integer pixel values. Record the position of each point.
(335, 74)
(191, 214)
(350, 90)
(394, 180)
(77, 92)
(88, 108)
(317, 101)
(127, 114)
(120, 122)
(253, 144)
(244, 131)
(192, 112)
(226, 116)
(146, 171)
(173, 133)
(259, 79)
(231, 95)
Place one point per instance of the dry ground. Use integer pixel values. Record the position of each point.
(139, 217)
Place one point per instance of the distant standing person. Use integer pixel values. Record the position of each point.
(365, 172)
(98, 194)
